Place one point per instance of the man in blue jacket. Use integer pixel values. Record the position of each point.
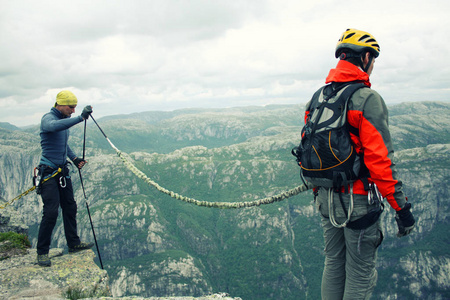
(57, 190)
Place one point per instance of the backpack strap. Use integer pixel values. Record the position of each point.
(352, 87)
(338, 106)
(314, 103)
(348, 92)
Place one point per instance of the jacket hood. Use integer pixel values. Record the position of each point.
(347, 72)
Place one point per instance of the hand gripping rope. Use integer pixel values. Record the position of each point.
(141, 175)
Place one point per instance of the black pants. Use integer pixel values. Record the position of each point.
(54, 194)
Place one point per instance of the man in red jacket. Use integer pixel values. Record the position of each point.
(350, 251)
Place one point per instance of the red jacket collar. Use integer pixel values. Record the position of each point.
(346, 72)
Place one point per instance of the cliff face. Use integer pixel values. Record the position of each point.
(71, 276)
(154, 245)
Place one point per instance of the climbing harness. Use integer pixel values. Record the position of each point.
(374, 199)
(36, 184)
(141, 175)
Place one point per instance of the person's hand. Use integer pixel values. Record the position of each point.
(405, 220)
(87, 111)
(79, 163)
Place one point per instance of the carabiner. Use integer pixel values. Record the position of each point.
(61, 179)
(374, 196)
(36, 177)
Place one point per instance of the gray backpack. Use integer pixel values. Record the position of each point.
(326, 153)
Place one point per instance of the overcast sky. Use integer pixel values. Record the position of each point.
(131, 56)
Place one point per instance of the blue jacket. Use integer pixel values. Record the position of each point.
(54, 137)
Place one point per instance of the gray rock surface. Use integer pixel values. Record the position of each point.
(22, 278)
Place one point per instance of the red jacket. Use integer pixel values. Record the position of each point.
(368, 113)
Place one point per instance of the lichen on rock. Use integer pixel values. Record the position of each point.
(22, 277)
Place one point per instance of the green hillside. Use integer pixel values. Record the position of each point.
(154, 245)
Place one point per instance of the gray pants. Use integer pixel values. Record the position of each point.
(350, 254)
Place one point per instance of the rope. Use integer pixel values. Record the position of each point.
(29, 190)
(227, 205)
(18, 197)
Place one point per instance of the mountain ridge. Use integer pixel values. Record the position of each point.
(272, 251)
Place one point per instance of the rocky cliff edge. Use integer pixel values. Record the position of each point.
(71, 276)
(22, 278)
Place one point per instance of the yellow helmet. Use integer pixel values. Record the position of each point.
(357, 41)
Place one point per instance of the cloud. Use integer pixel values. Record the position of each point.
(128, 56)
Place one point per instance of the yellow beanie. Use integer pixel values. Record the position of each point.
(66, 98)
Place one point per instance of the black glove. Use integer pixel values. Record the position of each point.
(405, 220)
(87, 111)
(77, 162)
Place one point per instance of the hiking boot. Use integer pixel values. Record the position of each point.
(80, 247)
(43, 260)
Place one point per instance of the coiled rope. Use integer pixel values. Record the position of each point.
(223, 205)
